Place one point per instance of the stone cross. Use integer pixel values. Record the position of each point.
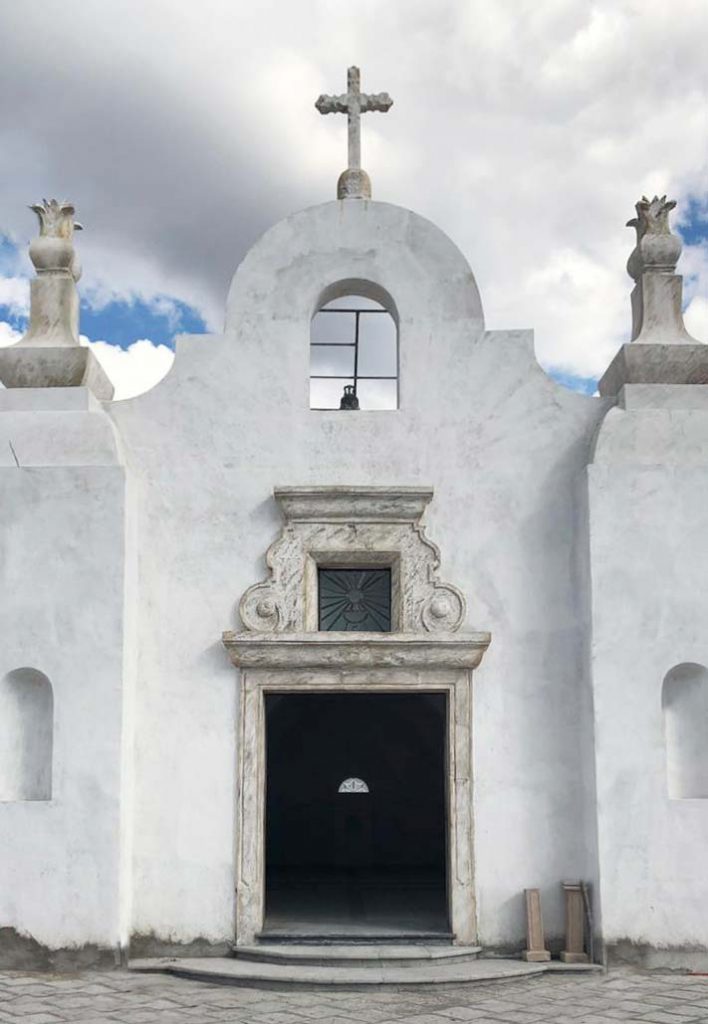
(354, 183)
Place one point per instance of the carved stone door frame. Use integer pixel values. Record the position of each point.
(392, 664)
(282, 651)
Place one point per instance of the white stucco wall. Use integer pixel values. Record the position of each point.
(505, 449)
(61, 612)
(649, 520)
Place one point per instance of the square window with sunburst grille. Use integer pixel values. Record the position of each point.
(355, 599)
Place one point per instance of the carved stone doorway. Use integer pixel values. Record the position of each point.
(417, 649)
(356, 790)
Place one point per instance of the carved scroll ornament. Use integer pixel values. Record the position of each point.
(349, 527)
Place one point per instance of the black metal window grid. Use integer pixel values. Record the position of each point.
(355, 599)
(355, 377)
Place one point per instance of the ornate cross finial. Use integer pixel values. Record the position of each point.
(354, 183)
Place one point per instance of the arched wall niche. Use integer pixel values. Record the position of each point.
(26, 735)
(684, 700)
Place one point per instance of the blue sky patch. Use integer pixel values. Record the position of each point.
(10, 316)
(585, 385)
(694, 228)
(10, 258)
(122, 323)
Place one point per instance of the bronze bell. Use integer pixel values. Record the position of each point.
(349, 399)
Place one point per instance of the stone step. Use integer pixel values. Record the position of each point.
(236, 971)
(355, 954)
(362, 936)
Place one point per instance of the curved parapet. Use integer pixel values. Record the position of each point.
(298, 261)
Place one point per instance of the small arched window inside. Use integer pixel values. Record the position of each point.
(26, 735)
(354, 345)
(685, 705)
(353, 785)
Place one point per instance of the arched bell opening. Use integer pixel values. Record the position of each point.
(354, 361)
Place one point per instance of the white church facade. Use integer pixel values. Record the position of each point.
(273, 668)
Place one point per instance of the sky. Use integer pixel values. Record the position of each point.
(526, 129)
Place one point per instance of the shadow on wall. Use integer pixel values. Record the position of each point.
(26, 735)
(684, 700)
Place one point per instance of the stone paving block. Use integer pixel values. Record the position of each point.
(135, 1017)
(41, 1018)
(668, 1018)
(461, 1013)
(121, 998)
(427, 1018)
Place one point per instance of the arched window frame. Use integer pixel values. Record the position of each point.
(357, 289)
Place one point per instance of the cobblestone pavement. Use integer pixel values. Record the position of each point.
(101, 997)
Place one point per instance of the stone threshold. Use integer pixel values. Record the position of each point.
(355, 954)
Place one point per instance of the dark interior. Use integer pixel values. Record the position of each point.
(356, 863)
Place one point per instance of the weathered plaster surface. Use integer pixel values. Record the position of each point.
(649, 520)
(62, 502)
(504, 449)
(118, 585)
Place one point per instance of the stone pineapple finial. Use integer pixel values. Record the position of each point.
(54, 302)
(53, 251)
(657, 248)
(49, 354)
(657, 317)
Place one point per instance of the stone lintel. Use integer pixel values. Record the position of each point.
(54, 367)
(353, 504)
(356, 650)
(637, 363)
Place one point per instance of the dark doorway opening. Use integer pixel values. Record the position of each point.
(355, 814)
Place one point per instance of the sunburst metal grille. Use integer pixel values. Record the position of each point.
(355, 599)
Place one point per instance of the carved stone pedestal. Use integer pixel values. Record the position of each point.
(574, 952)
(25, 366)
(536, 951)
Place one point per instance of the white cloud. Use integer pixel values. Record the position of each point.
(135, 369)
(8, 334)
(696, 318)
(132, 371)
(14, 293)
